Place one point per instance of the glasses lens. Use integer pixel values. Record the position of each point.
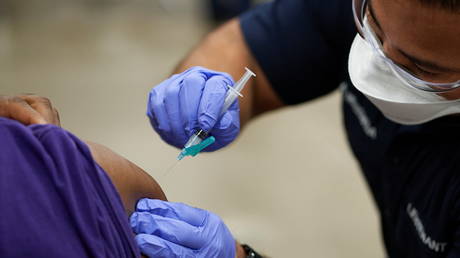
(367, 32)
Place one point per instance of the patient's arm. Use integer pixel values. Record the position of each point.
(132, 182)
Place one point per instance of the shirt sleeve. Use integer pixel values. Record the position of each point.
(55, 200)
(301, 45)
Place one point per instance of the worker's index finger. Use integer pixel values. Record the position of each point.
(17, 109)
(179, 211)
(189, 97)
(212, 102)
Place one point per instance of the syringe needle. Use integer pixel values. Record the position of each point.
(171, 168)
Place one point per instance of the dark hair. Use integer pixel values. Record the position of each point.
(452, 5)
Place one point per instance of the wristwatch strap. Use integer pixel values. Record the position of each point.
(250, 253)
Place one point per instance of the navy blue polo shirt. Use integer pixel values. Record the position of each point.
(413, 171)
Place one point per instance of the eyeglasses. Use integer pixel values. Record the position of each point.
(366, 32)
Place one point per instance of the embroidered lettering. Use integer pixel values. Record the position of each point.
(431, 243)
(359, 112)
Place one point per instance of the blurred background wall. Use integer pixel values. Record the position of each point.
(302, 196)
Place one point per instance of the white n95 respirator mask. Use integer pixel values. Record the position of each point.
(372, 76)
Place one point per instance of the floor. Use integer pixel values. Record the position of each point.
(301, 195)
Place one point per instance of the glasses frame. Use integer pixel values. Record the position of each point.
(366, 32)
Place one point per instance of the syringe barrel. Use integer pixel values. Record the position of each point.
(231, 97)
(238, 87)
(243, 80)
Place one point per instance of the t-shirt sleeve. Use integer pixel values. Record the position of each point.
(301, 45)
(55, 200)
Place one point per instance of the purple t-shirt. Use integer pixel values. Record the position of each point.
(55, 201)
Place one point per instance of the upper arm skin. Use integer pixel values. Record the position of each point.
(225, 50)
(132, 182)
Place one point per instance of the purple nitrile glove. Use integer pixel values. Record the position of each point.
(173, 230)
(192, 100)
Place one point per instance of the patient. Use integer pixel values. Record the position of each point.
(62, 197)
(59, 196)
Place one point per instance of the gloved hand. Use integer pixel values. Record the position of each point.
(191, 100)
(172, 230)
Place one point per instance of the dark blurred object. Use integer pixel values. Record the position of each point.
(5, 8)
(223, 10)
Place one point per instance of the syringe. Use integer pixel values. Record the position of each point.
(200, 140)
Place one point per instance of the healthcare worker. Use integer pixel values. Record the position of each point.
(398, 65)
